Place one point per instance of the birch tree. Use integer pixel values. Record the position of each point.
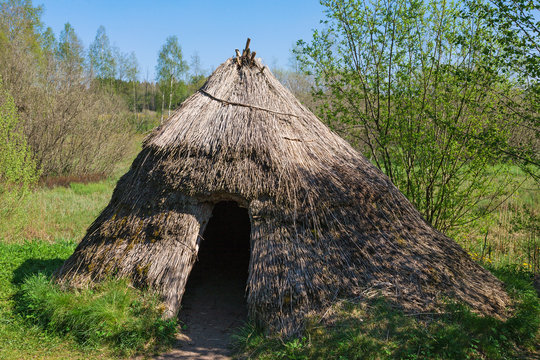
(171, 67)
(101, 57)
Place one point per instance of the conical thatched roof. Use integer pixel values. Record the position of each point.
(325, 223)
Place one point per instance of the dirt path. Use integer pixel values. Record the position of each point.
(211, 311)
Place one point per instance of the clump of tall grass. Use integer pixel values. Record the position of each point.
(509, 236)
(112, 314)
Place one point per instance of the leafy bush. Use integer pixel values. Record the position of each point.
(424, 101)
(112, 314)
(72, 126)
(17, 168)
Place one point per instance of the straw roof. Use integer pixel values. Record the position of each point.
(325, 223)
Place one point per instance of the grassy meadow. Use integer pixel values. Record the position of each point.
(509, 236)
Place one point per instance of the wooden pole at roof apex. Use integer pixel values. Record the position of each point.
(237, 57)
(246, 56)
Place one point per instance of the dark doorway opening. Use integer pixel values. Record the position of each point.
(225, 244)
(214, 302)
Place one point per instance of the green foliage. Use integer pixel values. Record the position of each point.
(49, 40)
(378, 331)
(112, 313)
(407, 82)
(171, 63)
(128, 66)
(170, 69)
(515, 27)
(144, 122)
(70, 49)
(54, 97)
(20, 20)
(529, 224)
(101, 57)
(17, 168)
(16, 164)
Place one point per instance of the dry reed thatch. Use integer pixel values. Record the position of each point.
(325, 223)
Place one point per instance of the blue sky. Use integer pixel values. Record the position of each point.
(211, 28)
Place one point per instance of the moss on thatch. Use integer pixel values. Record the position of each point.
(325, 223)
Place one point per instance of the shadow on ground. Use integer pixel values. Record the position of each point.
(35, 266)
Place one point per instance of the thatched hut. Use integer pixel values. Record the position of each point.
(322, 222)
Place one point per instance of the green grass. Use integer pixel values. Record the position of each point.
(376, 330)
(511, 234)
(112, 314)
(37, 319)
(63, 213)
(19, 338)
(57, 214)
(91, 188)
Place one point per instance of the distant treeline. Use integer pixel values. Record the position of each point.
(119, 73)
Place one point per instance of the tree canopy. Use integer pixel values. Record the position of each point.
(101, 57)
(170, 62)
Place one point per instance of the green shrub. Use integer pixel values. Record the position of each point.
(112, 314)
(17, 168)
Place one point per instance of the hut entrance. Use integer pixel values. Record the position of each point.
(214, 301)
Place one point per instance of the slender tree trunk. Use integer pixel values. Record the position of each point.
(135, 104)
(162, 105)
(154, 86)
(134, 99)
(145, 96)
(170, 97)
(146, 101)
